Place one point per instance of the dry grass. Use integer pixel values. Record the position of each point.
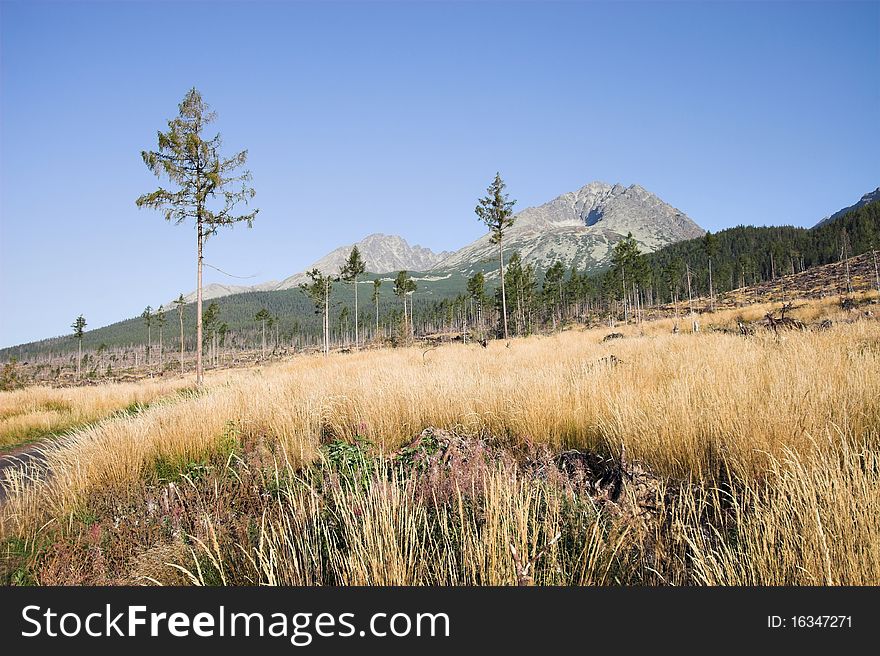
(32, 412)
(771, 444)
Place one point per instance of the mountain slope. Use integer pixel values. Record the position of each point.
(580, 229)
(747, 255)
(744, 257)
(382, 253)
(218, 290)
(870, 197)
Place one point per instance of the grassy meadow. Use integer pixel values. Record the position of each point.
(41, 411)
(659, 458)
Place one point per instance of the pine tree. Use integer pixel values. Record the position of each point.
(275, 322)
(553, 290)
(376, 285)
(496, 211)
(476, 289)
(180, 303)
(318, 290)
(208, 188)
(209, 320)
(147, 316)
(710, 244)
(625, 265)
(79, 327)
(262, 317)
(351, 270)
(160, 324)
(405, 286)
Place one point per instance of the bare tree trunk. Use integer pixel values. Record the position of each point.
(160, 349)
(876, 270)
(79, 358)
(690, 299)
(327, 317)
(356, 336)
(405, 318)
(180, 317)
(199, 370)
(711, 291)
(503, 291)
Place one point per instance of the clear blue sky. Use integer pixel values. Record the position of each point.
(394, 117)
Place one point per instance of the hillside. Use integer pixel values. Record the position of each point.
(579, 229)
(870, 197)
(748, 255)
(382, 253)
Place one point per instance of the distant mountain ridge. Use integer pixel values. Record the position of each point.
(580, 229)
(870, 197)
(218, 290)
(744, 256)
(382, 253)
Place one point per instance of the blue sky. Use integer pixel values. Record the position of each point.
(394, 118)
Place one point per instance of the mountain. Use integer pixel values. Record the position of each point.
(580, 229)
(218, 290)
(746, 255)
(870, 197)
(382, 253)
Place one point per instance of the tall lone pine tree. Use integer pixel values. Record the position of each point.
(207, 187)
(497, 213)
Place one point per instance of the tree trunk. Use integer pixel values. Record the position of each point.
(503, 292)
(405, 318)
(356, 337)
(160, 349)
(326, 318)
(180, 317)
(876, 270)
(690, 296)
(79, 358)
(199, 369)
(711, 291)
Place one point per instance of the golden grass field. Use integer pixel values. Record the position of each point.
(38, 411)
(752, 460)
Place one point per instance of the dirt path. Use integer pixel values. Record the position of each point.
(19, 457)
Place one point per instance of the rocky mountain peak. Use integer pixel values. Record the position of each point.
(579, 228)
